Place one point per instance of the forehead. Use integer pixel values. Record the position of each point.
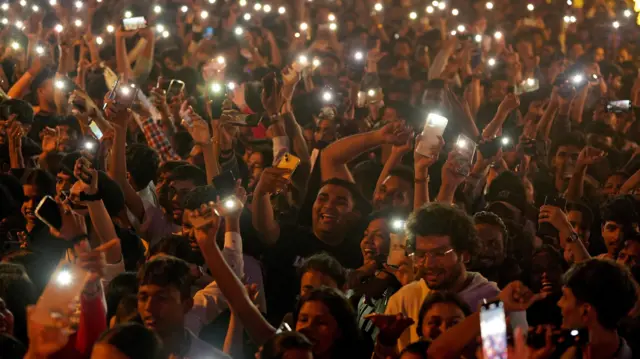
(632, 247)
(568, 149)
(182, 184)
(153, 289)
(333, 190)
(30, 190)
(487, 228)
(429, 242)
(378, 224)
(574, 215)
(316, 277)
(63, 176)
(445, 309)
(394, 182)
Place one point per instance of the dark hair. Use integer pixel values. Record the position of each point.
(169, 166)
(607, 286)
(437, 219)
(189, 173)
(127, 309)
(493, 219)
(174, 245)
(142, 164)
(361, 203)
(120, 286)
(278, 345)
(405, 173)
(43, 180)
(68, 163)
(134, 341)
(199, 196)
(621, 210)
(71, 122)
(574, 138)
(365, 174)
(11, 348)
(42, 76)
(8, 205)
(350, 342)
(440, 297)
(174, 54)
(508, 187)
(327, 265)
(418, 348)
(111, 194)
(18, 292)
(13, 185)
(166, 271)
(22, 110)
(600, 129)
(587, 214)
(183, 143)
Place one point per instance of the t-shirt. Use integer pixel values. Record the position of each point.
(282, 260)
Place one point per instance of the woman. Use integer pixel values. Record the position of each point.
(439, 312)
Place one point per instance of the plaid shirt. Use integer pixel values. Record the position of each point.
(157, 139)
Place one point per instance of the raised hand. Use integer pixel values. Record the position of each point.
(391, 326)
(43, 340)
(272, 181)
(49, 138)
(421, 162)
(198, 128)
(395, 133)
(509, 103)
(517, 297)
(589, 156)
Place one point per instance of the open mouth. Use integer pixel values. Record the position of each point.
(370, 253)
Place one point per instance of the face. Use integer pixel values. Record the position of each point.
(402, 49)
(623, 55)
(439, 318)
(598, 54)
(331, 209)
(564, 156)
(319, 326)
(576, 51)
(32, 197)
(170, 65)
(613, 236)
(573, 313)
(67, 138)
(579, 226)
(629, 254)
(600, 141)
(613, 184)
(393, 192)
(256, 166)
(313, 279)
(64, 182)
(178, 191)
(162, 309)
(440, 265)
(106, 351)
(376, 240)
(498, 90)
(326, 131)
(491, 250)
(328, 68)
(45, 93)
(546, 273)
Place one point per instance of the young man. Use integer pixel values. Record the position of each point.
(630, 253)
(444, 240)
(45, 113)
(597, 294)
(619, 220)
(164, 298)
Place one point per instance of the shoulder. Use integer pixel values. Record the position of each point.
(410, 292)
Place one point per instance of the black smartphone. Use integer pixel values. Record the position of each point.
(49, 212)
(225, 183)
(489, 149)
(547, 229)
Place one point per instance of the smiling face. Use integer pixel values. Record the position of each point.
(331, 210)
(375, 242)
(440, 264)
(439, 318)
(319, 326)
(393, 192)
(32, 197)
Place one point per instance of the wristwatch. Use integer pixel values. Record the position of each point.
(573, 237)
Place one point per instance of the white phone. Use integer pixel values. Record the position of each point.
(493, 329)
(433, 129)
(397, 243)
(465, 149)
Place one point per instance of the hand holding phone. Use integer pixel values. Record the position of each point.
(391, 326)
(289, 162)
(493, 329)
(465, 149)
(432, 135)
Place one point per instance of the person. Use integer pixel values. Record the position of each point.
(287, 345)
(444, 241)
(630, 252)
(619, 221)
(164, 298)
(439, 312)
(131, 341)
(587, 302)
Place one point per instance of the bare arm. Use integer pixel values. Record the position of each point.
(510, 103)
(577, 108)
(543, 129)
(122, 61)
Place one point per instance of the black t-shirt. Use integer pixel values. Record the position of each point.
(40, 121)
(282, 260)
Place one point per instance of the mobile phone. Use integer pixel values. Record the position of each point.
(204, 218)
(489, 148)
(465, 149)
(621, 106)
(125, 94)
(55, 305)
(208, 33)
(134, 23)
(433, 129)
(290, 162)
(230, 203)
(369, 97)
(49, 213)
(547, 229)
(493, 329)
(95, 130)
(225, 183)
(175, 88)
(561, 338)
(231, 116)
(397, 243)
(529, 85)
(464, 36)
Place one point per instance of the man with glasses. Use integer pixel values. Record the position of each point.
(444, 238)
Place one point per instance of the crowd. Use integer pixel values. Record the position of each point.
(319, 179)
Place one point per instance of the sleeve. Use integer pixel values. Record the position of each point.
(154, 226)
(92, 321)
(142, 69)
(208, 303)
(439, 63)
(157, 139)
(230, 164)
(394, 307)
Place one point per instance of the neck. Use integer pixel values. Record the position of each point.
(461, 282)
(603, 343)
(174, 341)
(332, 239)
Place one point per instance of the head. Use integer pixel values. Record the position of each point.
(492, 240)
(23, 114)
(333, 208)
(547, 267)
(65, 178)
(596, 294)
(325, 131)
(289, 345)
(122, 285)
(440, 311)
(619, 221)
(600, 134)
(581, 219)
(375, 243)
(142, 164)
(395, 191)
(36, 185)
(69, 134)
(181, 181)
(321, 270)
(171, 61)
(128, 341)
(402, 48)
(327, 319)
(43, 88)
(565, 152)
(444, 238)
(164, 295)
(629, 255)
(258, 160)
(613, 184)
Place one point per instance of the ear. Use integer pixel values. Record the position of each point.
(465, 257)
(187, 304)
(588, 313)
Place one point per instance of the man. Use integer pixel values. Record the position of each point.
(181, 181)
(581, 219)
(444, 241)
(333, 213)
(43, 88)
(69, 134)
(22, 112)
(596, 295)
(619, 221)
(564, 155)
(164, 298)
(630, 252)
(396, 191)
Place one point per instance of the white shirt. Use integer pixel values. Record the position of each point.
(202, 350)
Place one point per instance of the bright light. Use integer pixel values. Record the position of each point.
(398, 224)
(5, 21)
(159, 28)
(282, 10)
(577, 79)
(110, 28)
(569, 2)
(333, 26)
(165, 34)
(257, 6)
(462, 143)
(429, 9)
(35, 8)
(573, 19)
(531, 81)
(628, 13)
(79, 4)
(332, 17)
(489, 5)
(442, 5)
(99, 40)
(220, 60)
(242, 3)
(230, 204)
(15, 45)
(64, 278)
(497, 35)
(574, 332)
(303, 60)
(157, 9)
(128, 14)
(59, 84)
(19, 24)
(461, 28)
(238, 31)
(52, 2)
(327, 96)
(88, 145)
(377, 7)
(491, 62)
(435, 3)
(455, 12)
(304, 26)
(478, 38)
(505, 141)
(413, 15)
(315, 62)
(23, 3)
(212, 1)
(266, 8)
(5, 7)
(184, 8)
(126, 91)
(530, 7)
(371, 93)
(78, 22)
(59, 28)
(358, 55)
(296, 35)
(231, 86)
(567, 19)
(453, 32)
(204, 14)
(39, 50)
(215, 87)
(616, 24)
(247, 17)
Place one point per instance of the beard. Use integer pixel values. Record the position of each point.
(444, 279)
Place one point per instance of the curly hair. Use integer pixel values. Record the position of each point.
(437, 219)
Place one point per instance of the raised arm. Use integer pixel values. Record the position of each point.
(543, 129)
(588, 156)
(271, 181)
(508, 104)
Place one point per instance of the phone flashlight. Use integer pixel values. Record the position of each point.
(331, 17)
(125, 91)
(505, 141)
(238, 30)
(333, 26)
(165, 34)
(327, 96)
(489, 5)
(358, 56)
(315, 62)
(478, 38)
(64, 278)
(160, 28)
(377, 7)
(398, 224)
(59, 84)
(304, 26)
(35, 8)
(110, 28)
(39, 50)
(577, 79)
(204, 14)
(491, 62)
(616, 24)
(455, 12)
(282, 10)
(128, 14)
(157, 9)
(429, 9)
(371, 92)
(266, 8)
(5, 7)
(461, 28)
(220, 60)
(413, 15)
(628, 13)
(497, 35)
(184, 9)
(78, 23)
(442, 5)
(257, 6)
(231, 85)
(462, 143)
(246, 17)
(89, 145)
(20, 24)
(99, 40)
(216, 88)
(212, 2)
(15, 45)
(303, 60)
(230, 204)
(79, 4)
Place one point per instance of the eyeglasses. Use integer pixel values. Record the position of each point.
(420, 256)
